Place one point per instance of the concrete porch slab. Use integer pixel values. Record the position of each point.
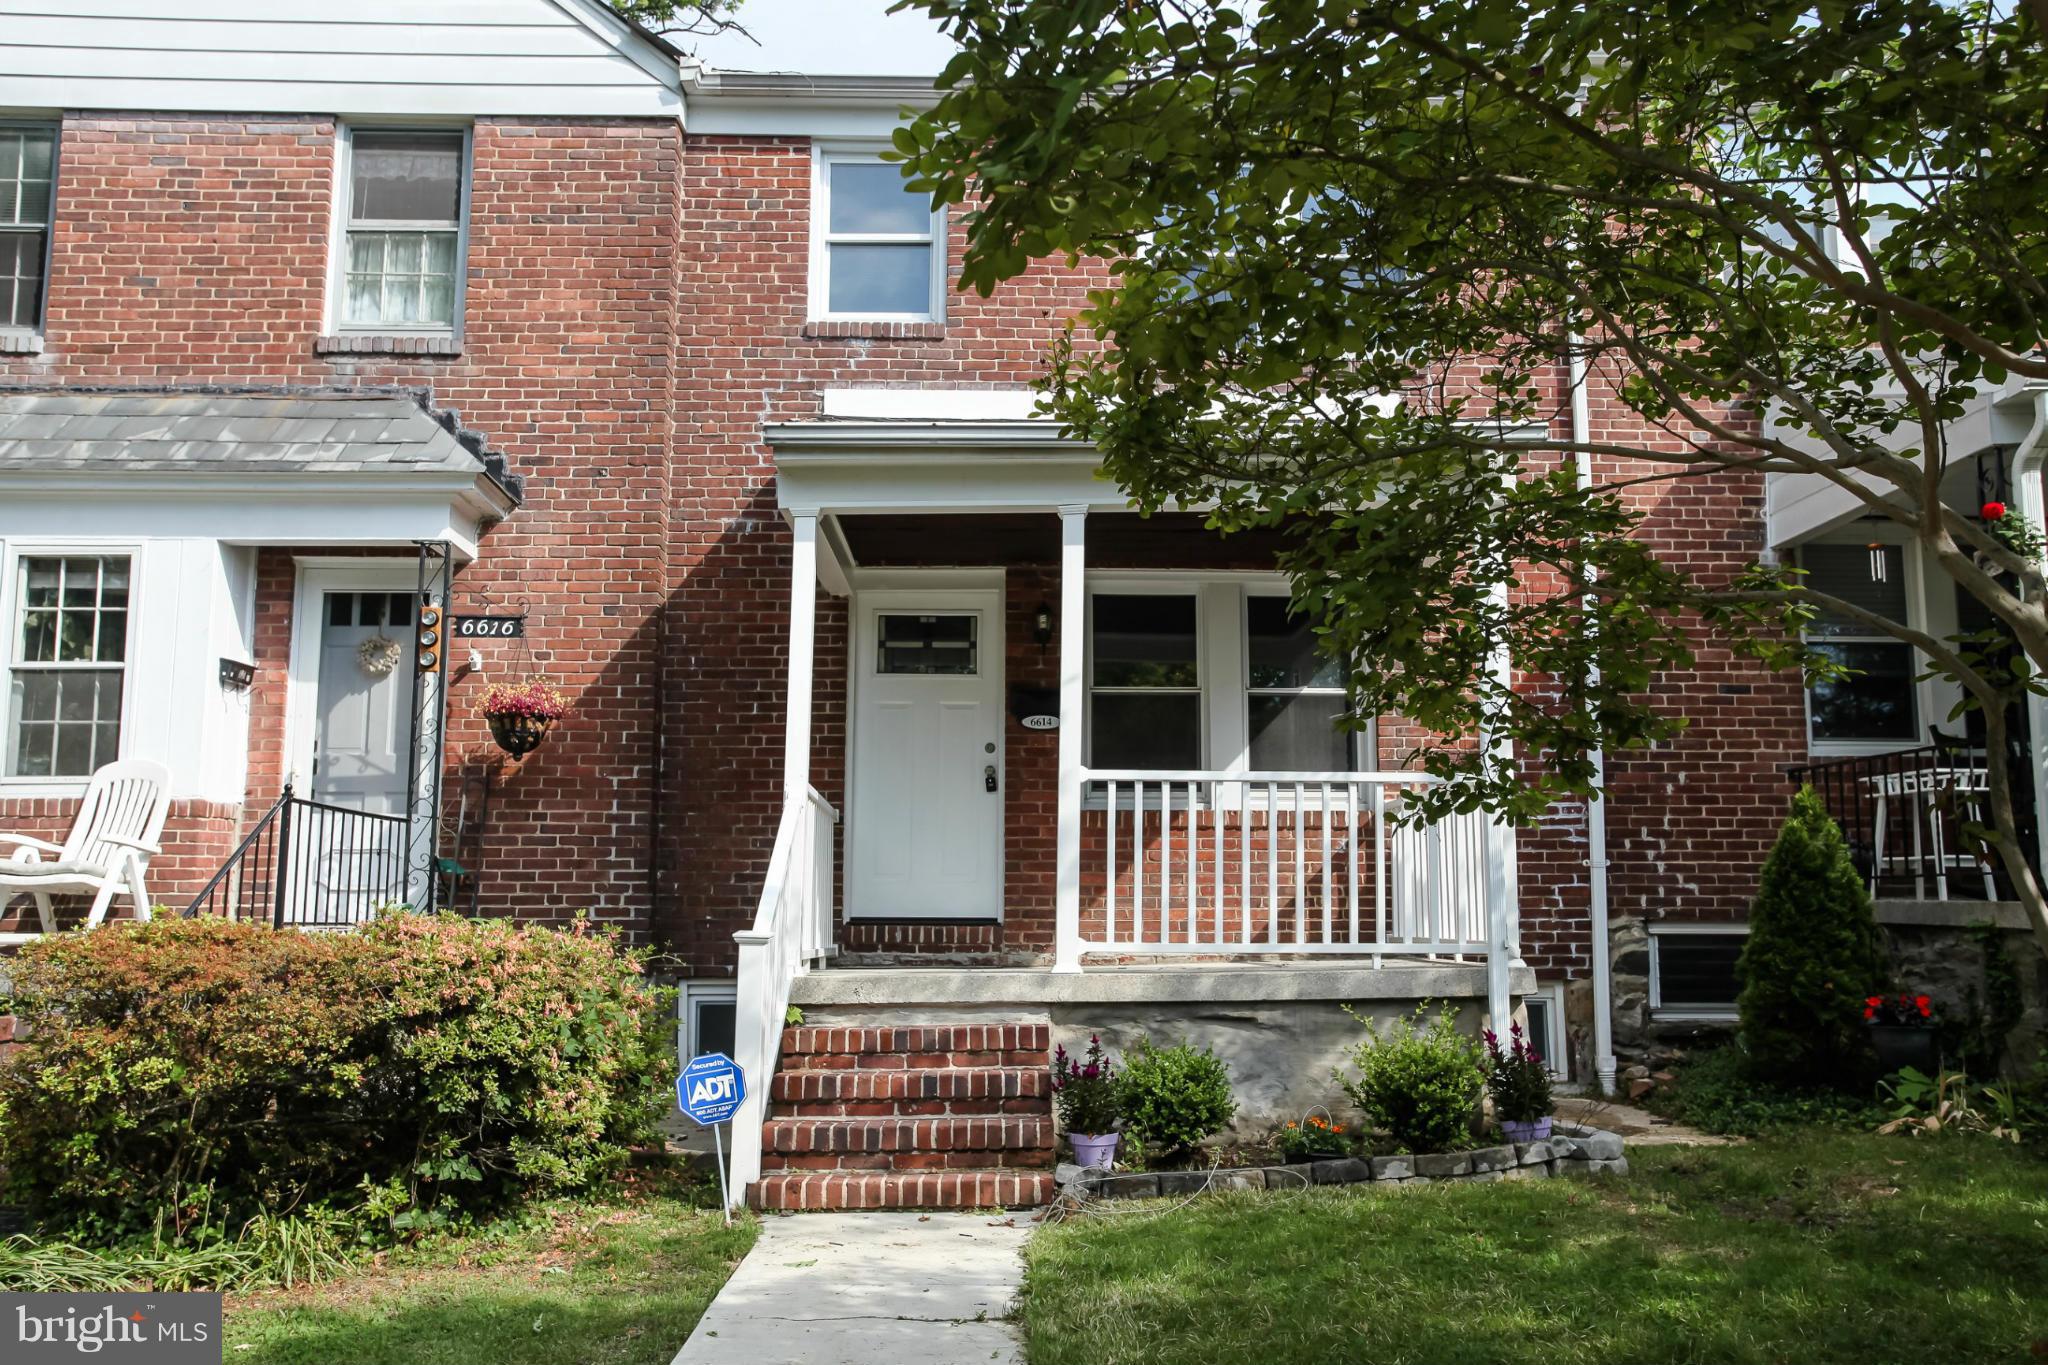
(1192, 983)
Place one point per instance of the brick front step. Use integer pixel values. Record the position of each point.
(901, 1190)
(803, 1136)
(946, 1038)
(923, 1085)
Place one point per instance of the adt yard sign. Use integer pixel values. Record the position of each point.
(710, 1092)
(711, 1088)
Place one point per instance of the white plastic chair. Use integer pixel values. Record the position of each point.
(111, 843)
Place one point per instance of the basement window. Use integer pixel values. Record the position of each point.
(709, 1019)
(1693, 971)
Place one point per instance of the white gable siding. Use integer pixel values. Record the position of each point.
(348, 57)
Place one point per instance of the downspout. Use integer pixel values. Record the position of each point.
(1596, 807)
(2027, 460)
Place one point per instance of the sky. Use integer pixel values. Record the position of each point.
(828, 38)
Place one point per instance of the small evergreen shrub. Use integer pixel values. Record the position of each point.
(194, 1073)
(1812, 958)
(1420, 1084)
(1173, 1097)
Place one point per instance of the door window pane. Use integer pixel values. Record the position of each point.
(1146, 730)
(1874, 702)
(911, 643)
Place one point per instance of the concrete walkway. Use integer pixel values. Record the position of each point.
(869, 1289)
(1637, 1127)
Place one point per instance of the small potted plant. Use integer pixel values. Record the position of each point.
(1519, 1082)
(1902, 1033)
(1315, 1138)
(521, 714)
(1085, 1092)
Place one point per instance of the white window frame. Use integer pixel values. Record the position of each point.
(343, 224)
(693, 994)
(1916, 611)
(1550, 994)
(1202, 690)
(1689, 1013)
(1247, 691)
(33, 331)
(825, 155)
(11, 603)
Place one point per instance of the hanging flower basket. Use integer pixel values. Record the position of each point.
(521, 714)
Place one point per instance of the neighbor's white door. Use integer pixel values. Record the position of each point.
(362, 727)
(927, 791)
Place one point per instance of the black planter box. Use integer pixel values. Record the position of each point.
(1899, 1046)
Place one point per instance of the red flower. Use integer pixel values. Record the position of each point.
(1993, 511)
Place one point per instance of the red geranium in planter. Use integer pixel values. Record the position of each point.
(521, 714)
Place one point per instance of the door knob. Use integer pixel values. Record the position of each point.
(988, 778)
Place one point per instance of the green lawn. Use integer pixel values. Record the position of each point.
(617, 1282)
(1812, 1247)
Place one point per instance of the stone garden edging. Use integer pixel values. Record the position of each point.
(1571, 1150)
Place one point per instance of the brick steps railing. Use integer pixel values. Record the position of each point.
(948, 1116)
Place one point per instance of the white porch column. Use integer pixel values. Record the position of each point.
(2027, 462)
(1073, 654)
(1503, 921)
(803, 613)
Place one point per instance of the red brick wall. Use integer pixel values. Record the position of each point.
(194, 250)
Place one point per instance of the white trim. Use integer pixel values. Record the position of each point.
(1687, 1013)
(932, 405)
(343, 210)
(1559, 1059)
(693, 993)
(792, 104)
(12, 552)
(1922, 688)
(825, 155)
(314, 576)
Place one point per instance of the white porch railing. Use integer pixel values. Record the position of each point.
(792, 930)
(1244, 863)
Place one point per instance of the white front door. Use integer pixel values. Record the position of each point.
(348, 866)
(927, 790)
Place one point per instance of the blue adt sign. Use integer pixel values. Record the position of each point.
(711, 1088)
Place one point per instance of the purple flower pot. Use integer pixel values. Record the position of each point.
(1094, 1149)
(1534, 1130)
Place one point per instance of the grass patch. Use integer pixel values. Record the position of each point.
(1814, 1246)
(619, 1280)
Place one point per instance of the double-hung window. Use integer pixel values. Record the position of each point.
(1874, 703)
(1145, 682)
(67, 670)
(402, 236)
(877, 248)
(1294, 697)
(28, 180)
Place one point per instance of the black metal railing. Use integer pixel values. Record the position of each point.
(311, 864)
(1918, 821)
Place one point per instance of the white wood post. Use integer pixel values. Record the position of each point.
(1073, 655)
(1503, 932)
(803, 613)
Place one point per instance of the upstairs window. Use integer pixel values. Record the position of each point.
(70, 651)
(402, 241)
(877, 248)
(28, 179)
(1874, 704)
(1295, 697)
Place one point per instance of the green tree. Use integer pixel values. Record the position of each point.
(1827, 213)
(682, 18)
(1812, 957)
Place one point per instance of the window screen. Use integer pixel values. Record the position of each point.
(1697, 971)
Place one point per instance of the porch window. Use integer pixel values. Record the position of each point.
(28, 179)
(1295, 694)
(403, 238)
(1145, 694)
(1875, 702)
(67, 676)
(877, 248)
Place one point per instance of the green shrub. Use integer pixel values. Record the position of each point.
(1811, 960)
(1420, 1084)
(196, 1073)
(1173, 1097)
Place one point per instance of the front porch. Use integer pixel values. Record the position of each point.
(1091, 753)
